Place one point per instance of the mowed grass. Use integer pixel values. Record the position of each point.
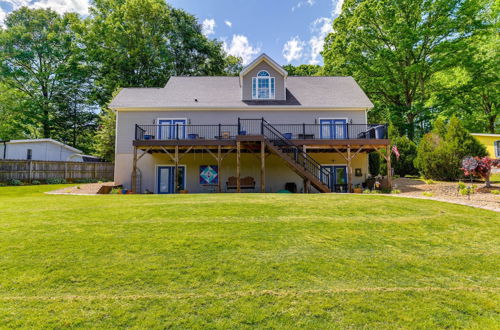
(242, 261)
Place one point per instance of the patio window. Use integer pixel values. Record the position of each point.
(263, 86)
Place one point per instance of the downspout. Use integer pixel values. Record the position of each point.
(4, 149)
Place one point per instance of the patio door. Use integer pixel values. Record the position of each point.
(171, 129)
(337, 180)
(333, 128)
(166, 179)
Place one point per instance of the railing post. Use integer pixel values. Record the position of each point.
(303, 130)
(136, 131)
(347, 130)
(177, 131)
(239, 125)
(220, 132)
(262, 126)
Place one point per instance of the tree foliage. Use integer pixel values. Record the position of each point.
(41, 63)
(440, 152)
(303, 70)
(141, 43)
(393, 49)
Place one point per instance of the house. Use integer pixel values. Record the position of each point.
(41, 149)
(491, 141)
(262, 131)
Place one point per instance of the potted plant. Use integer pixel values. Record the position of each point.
(358, 189)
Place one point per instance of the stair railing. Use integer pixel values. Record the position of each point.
(295, 153)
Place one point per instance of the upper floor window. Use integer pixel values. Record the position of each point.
(263, 86)
(497, 149)
(29, 154)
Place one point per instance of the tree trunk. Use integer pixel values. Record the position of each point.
(410, 118)
(491, 123)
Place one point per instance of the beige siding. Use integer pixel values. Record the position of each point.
(277, 174)
(279, 81)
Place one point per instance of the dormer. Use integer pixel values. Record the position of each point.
(263, 80)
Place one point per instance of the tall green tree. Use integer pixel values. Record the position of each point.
(141, 43)
(40, 61)
(394, 47)
(470, 90)
(303, 70)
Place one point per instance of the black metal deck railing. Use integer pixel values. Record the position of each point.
(255, 127)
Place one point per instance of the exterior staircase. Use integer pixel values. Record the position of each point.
(300, 162)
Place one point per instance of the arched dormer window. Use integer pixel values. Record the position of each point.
(263, 86)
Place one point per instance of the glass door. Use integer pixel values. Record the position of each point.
(166, 179)
(171, 129)
(333, 129)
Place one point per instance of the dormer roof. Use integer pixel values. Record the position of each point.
(263, 58)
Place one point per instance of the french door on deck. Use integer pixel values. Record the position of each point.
(171, 129)
(333, 128)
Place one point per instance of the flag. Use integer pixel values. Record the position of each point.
(395, 151)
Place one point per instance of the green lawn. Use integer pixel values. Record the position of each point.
(250, 260)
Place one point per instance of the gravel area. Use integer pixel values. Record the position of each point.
(82, 189)
(448, 192)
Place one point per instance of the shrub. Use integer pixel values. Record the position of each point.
(483, 169)
(374, 163)
(440, 153)
(429, 181)
(495, 192)
(55, 181)
(428, 194)
(85, 181)
(14, 182)
(395, 191)
(35, 182)
(407, 154)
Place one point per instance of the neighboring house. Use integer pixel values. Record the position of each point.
(271, 131)
(491, 141)
(41, 149)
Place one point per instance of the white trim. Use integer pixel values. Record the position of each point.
(168, 165)
(266, 58)
(246, 108)
(485, 134)
(269, 78)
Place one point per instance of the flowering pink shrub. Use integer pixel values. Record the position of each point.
(483, 169)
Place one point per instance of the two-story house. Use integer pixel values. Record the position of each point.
(263, 131)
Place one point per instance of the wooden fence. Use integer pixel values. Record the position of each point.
(28, 170)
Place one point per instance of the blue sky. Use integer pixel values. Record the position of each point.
(290, 31)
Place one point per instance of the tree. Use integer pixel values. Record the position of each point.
(470, 89)
(234, 65)
(374, 163)
(483, 169)
(404, 165)
(393, 48)
(141, 43)
(440, 153)
(105, 136)
(42, 64)
(303, 70)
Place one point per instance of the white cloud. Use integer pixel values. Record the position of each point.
(292, 50)
(60, 6)
(337, 7)
(302, 3)
(208, 27)
(321, 27)
(228, 23)
(240, 47)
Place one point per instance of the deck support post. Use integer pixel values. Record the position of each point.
(389, 169)
(176, 173)
(307, 187)
(219, 165)
(238, 166)
(262, 167)
(349, 169)
(134, 171)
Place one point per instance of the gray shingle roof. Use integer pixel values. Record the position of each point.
(225, 92)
